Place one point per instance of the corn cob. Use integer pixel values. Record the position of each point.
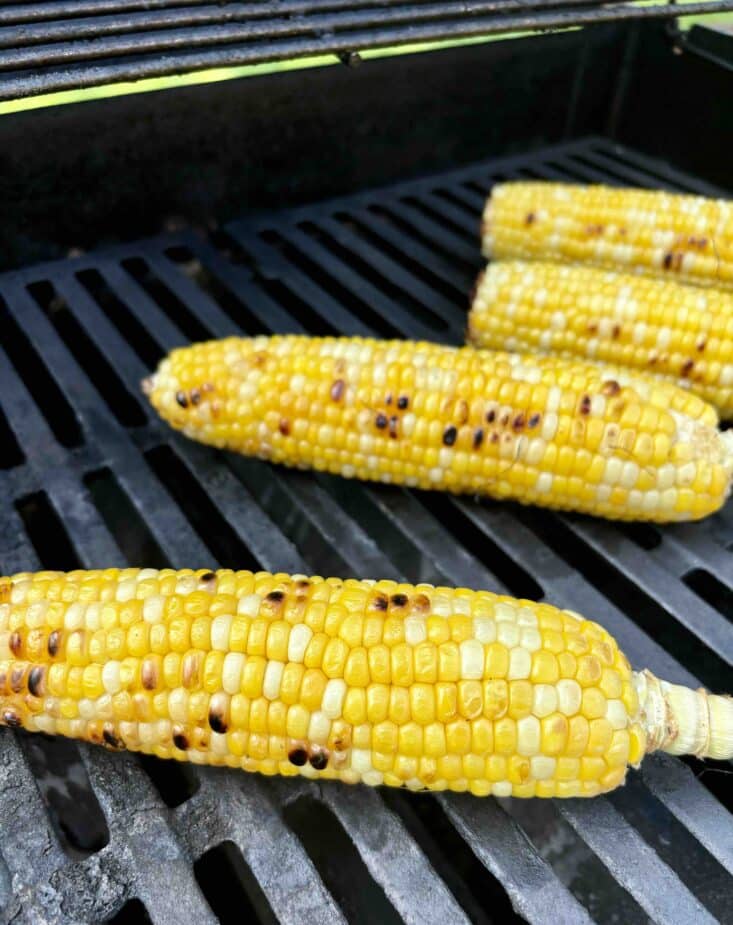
(680, 332)
(539, 430)
(662, 234)
(378, 682)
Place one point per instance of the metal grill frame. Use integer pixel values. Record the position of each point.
(151, 847)
(47, 47)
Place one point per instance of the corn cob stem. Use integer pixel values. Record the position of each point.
(546, 431)
(662, 327)
(378, 682)
(681, 721)
(689, 238)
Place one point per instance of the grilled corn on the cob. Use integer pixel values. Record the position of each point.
(662, 327)
(663, 234)
(539, 430)
(368, 681)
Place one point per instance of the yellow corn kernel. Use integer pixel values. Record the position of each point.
(356, 669)
(593, 703)
(422, 703)
(589, 670)
(545, 668)
(449, 662)
(458, 737)
(355, 706)
(521, 695)
(505, 736)
(401, 665)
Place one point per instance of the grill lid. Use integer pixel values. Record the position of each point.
(71, 44)
(80, 450)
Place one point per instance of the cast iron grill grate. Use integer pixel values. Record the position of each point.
(69, 44)
(89, 477)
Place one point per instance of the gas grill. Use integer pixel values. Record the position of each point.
(327, 201)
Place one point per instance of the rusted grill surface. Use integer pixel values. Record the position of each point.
(88, 476)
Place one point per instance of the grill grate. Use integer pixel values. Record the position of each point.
(79, 335)
(47, 47)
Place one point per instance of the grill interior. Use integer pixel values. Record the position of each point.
(89, 477)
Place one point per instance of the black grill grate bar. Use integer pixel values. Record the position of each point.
(390, 854)
(434, 303)
(98, 62)
(393, 315)
(452, 562)
(16, 553)
(235, 21)
(28, 425)
(674, 784)
(500, 845)
(662, 172)
(636, 865)
(245, 811)
(675, 552)
(157, 861)
(413, 249)
(203, 308)
(262, 308)
(340, 538)
(28, 837)
(444, 239)
(268, 262)
(702, 620)
(139, 303)
(167, 525)
(238, 507)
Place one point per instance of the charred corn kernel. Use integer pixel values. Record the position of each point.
(562, 433)
(299, 697)
(654, 233)
(619, 319)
